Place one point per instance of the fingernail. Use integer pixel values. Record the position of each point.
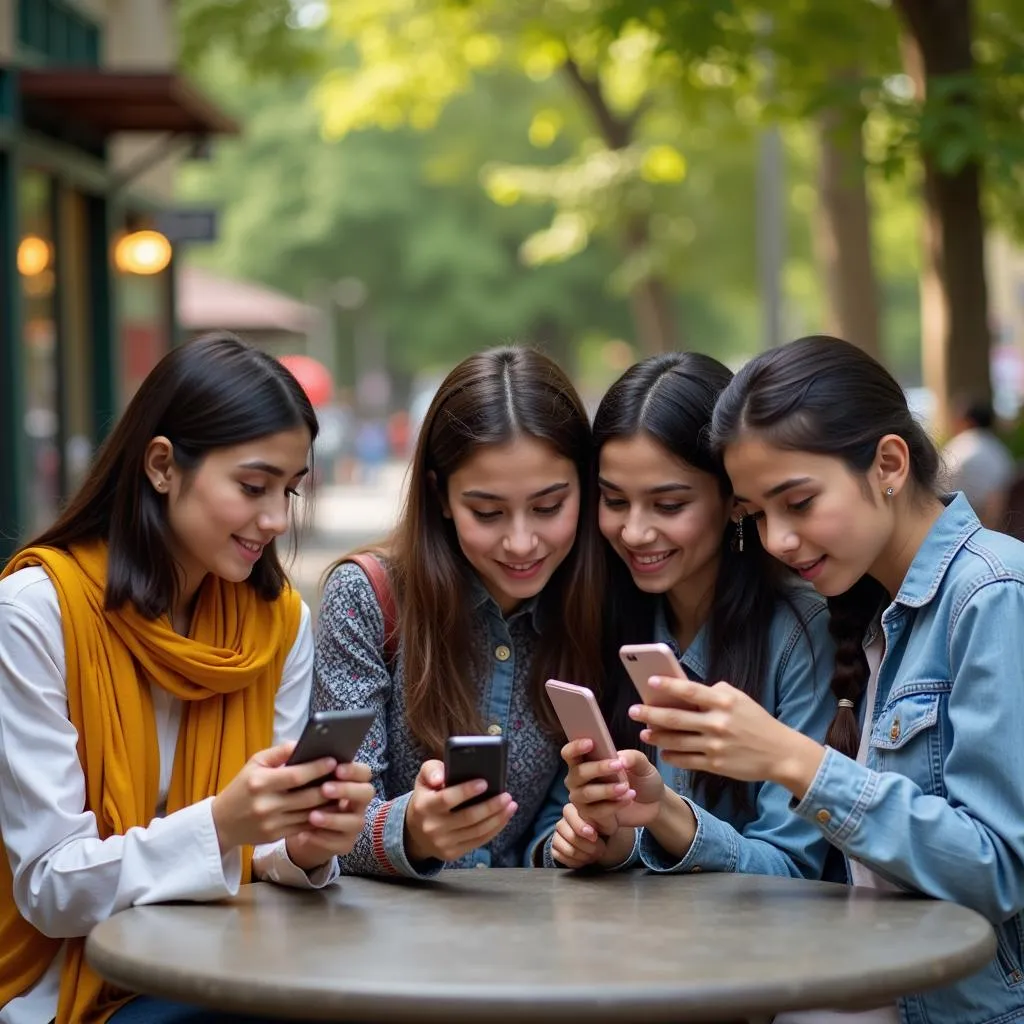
(634, 711)
(654, 681)
(621, 787)
(631, 794)
(645, 735)
(588, 831)
(615, 765)
(480, 786)
(513, 807)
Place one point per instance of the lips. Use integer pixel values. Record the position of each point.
(523, 570)
(809, 570)
(250, 550)
(648, 561)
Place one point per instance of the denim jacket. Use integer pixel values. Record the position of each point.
(764, 837)
(939, 807)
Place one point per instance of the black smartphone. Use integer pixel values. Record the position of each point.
(476, 757)
(336, 734)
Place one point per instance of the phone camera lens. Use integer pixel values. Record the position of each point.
(630, 657)
(321, 730)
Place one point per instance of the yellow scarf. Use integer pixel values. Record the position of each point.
(228, 670)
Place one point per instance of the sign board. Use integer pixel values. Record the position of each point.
(188, 225)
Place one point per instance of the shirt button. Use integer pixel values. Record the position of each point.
(494, 729)
(823, 817)
(502, 653)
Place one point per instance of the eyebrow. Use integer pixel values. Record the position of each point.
(660, 489)
(780, 488)
(266, 467)
(487, 496)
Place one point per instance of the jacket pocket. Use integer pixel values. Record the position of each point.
(903, 719)
(1008, 952)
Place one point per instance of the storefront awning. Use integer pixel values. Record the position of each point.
(105, 102)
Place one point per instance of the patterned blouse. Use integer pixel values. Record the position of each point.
(351, 672)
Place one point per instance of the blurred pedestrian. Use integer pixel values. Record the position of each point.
(978, 463)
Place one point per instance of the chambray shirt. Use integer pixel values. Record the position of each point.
(938, 808)
(350, 672)
(765, 837)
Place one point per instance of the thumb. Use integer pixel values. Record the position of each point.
(274, 757)
(637, 763)
(431, 774)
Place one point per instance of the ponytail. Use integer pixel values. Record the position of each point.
(850, 614)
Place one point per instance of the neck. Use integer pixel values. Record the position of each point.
(181, 609)
(690, 601)
(914, 521)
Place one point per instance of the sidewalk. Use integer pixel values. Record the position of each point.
(344, 516)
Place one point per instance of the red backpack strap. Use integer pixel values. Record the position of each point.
(377, 574)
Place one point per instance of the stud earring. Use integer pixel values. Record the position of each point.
(888, 492)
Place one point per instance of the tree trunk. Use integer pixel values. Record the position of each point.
(843, 235)
(650, 298)
(954, 295)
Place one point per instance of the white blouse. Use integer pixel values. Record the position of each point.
(67, 879)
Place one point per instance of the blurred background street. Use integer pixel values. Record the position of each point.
(344, 516)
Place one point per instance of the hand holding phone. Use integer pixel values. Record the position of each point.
(642, 661)
(336, 734)
(460, 804)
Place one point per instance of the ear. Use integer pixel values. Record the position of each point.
(440, 493)
(159, 464)
(892, 465)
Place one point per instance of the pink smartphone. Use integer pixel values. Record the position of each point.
(581, 718)
(645, 660)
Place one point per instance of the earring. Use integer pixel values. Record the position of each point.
(888, 492)
(739, 534)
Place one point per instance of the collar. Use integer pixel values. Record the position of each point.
(947, 536)
(481, 599)
(695, 658)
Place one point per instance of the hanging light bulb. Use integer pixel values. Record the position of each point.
(142, 252)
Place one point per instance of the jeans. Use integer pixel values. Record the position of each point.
(147, 1010)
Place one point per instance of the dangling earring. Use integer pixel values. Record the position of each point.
(739, 534)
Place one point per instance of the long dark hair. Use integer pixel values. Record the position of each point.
(214, 392)
(825, 396)
(670, 398)
(489, 399)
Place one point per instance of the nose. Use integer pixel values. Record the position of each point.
(778, 537)
(635, 530)
(520, 539)
(274, 516)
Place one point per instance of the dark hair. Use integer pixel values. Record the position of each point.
(491, 398)
(828, 397)
(214, 392)
(978, 412)
(670, 398)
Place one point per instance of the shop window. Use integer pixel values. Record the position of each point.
(55, 32)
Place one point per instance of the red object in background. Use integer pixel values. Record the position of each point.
(314, 377)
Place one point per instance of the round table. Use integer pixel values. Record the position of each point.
(536, 945)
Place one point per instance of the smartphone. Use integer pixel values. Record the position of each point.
(645, 660)
(476, 757)
(581, 718)
(336, 734)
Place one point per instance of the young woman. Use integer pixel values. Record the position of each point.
(686, 572)
(155, 667)
(495, 575)
(921, 780)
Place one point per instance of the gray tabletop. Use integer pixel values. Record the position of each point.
(514, 945)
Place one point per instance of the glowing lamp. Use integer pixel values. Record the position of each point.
(142, 252)
(33, 255)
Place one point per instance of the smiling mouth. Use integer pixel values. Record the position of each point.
(250, 545)
(808, 569)
(522, 566)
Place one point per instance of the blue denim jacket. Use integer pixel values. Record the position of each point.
(939, 807)
(765, 837)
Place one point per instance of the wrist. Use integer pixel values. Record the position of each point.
(305, 860)
(675, 826)
(797, 770)
(412, 838)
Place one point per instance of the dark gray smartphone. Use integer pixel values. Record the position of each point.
(476, 757)
(336, 734)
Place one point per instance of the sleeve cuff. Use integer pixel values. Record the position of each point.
(225, 870)
(838, 796)
(389, 842)
(272, 864)
(714, 847)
